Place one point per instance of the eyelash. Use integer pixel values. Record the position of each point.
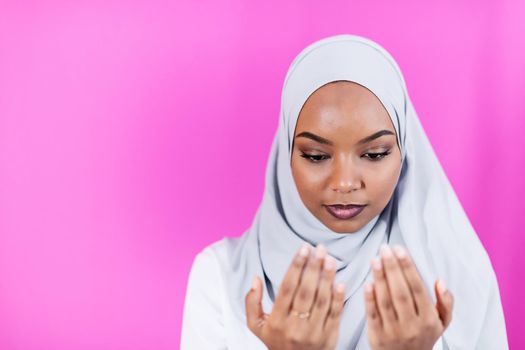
(315, 158)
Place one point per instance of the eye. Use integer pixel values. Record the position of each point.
(374, 157)
(314, 158)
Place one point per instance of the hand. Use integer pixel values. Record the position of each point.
(399, 309)
(307, 309)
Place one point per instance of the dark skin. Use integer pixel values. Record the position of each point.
(346, 171)
(336, 160)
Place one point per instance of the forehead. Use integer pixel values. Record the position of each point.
(343, 107)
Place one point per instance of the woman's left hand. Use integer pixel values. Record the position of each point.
(400, 313)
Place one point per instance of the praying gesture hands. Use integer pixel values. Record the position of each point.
(400, 313)
(307, 309)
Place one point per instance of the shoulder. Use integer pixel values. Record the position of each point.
(209, 272)
(215, 256)
(205, 302)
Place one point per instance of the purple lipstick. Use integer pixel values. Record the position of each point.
(344, 212)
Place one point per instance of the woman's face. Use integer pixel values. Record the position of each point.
(345, 152)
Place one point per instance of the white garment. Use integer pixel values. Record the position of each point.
(209, 321)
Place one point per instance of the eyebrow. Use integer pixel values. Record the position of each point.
(324, 141)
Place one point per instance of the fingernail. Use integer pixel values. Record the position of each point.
(442, 288)
(376, 264)
(305, 250)
(340, 288)
(399, 251)
(255, 283)
(320, 251)
(368, 288)
(385, 251)
(329, 263)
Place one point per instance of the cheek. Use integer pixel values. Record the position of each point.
(309, 178)
(382, 182)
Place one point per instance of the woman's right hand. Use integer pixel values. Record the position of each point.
(307, 310)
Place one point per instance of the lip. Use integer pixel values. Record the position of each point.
(344, 212)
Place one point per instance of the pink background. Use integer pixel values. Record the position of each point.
(134, 133)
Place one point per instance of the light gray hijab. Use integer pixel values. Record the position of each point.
(424, 213)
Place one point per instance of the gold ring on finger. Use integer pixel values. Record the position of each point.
(301, 315)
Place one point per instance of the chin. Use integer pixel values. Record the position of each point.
(344, 227)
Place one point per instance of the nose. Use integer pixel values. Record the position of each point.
(345, 177)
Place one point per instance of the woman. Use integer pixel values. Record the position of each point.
(358, 231)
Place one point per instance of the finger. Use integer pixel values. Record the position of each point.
(255, 316)
(399, 290)
(383, 298)
(333, 317)
(372, 311)
(324, 293)
(291, 280)
(305, 293)
(416, 285)
(444, 303)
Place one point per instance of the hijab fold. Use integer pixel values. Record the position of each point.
(423, 214)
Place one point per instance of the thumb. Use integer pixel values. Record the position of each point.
(254, 312)
(445, 302)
